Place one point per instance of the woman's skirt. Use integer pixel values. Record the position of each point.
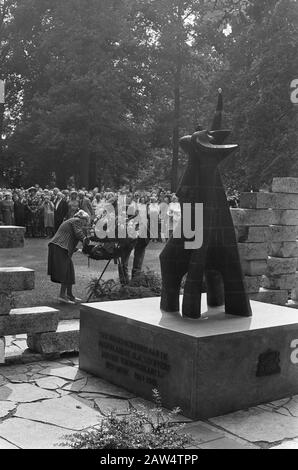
(60, 265)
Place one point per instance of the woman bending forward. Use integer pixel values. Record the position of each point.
(61, 249)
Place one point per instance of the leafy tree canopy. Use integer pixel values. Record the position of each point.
(103, 89)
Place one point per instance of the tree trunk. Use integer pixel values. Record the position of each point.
(177, 97)
(61, 176)
(84, 170)
(93, 172)
(176, 128)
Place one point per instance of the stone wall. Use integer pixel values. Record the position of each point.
(252, 222)
(267, 229)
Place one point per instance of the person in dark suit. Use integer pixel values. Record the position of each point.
(60, 211)
(19, 211)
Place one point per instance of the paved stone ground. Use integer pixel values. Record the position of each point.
(43, 401)
(40, 402)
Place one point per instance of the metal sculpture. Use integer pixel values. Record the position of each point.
(218, 259)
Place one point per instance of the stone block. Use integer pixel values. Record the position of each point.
(12, 237)
(16, 279)
(276, 266)
(271, 296)
(259, 217)
(256, 217)
(251, 234)
(259, 200)
(29, 320)
(254, 267)
(285, 185)
(280, 282)
(253, 251)
(283, 249)
(294, 292)
(2, 350)
(286, 217)
(283, 201)
(134, 345)
(252, 283)
(65, 339)
(264, 200)
(282, 233)
(6, 303)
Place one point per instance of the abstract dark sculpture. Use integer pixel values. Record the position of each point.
(218, 259)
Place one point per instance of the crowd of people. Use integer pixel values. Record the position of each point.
(42, 211)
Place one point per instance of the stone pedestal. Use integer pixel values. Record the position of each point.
(65, 339)
(13, 280)
(12, 237)
(29, 320)
(207, 367)
(16, 279)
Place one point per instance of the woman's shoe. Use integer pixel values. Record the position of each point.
(65, 300)
(75, 299)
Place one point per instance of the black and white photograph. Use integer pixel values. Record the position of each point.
(148, 228)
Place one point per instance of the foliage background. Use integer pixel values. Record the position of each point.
(101, 90)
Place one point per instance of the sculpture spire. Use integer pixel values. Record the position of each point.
(216, 125)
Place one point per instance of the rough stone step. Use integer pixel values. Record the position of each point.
(29, 320)
(16, 279)
(64, 340)
(12, 237)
